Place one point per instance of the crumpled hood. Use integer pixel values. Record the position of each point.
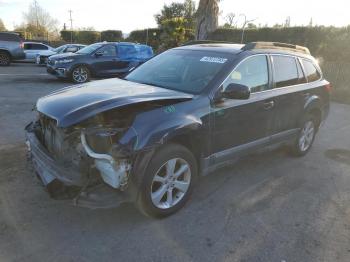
(72, 105)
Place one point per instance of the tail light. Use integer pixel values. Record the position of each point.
(328, 87)
(21, 44)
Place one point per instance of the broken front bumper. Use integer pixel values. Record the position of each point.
(60, 183)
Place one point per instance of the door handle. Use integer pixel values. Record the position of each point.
(269, 105)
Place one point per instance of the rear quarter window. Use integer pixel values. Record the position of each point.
(311, 72)
(285, 71)
(9, 37)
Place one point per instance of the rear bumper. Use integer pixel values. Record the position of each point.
(56, 179)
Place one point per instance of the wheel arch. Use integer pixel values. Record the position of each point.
(313, 106)
(92, 72)
(6, 51)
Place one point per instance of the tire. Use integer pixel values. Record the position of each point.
(5, 59)
(80, 74)
(306, 136)
(163, 192)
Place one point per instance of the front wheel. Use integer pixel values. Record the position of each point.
(306, 137)
(80, 74)
(168, 182)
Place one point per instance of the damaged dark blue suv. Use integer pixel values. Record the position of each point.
(182, 114)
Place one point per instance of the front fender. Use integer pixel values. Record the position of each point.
(164, 124)
(143, 136)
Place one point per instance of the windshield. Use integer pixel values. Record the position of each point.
(59, 49)
(89, 49)
(182, 70)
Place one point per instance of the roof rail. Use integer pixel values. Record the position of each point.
(198, 42)
(276, 45)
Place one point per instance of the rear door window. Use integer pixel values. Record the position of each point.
(311, 72)
(127, 52)
(71, 49)
(285, 71)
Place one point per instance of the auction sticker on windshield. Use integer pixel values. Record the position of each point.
(218, 60)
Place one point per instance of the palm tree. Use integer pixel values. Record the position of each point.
(206, 18)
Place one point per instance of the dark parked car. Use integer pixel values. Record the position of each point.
(182, 114)
(42, 57)
(11, 48)
(99, 60)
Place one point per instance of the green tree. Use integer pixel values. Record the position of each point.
(2, 26)
(184, 10)
(174, 32)
(207, 18)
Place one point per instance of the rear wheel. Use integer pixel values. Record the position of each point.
(80, 74)
(5, 58)
(169, 181)
(306, 136)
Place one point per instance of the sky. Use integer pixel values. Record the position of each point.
(128, 15)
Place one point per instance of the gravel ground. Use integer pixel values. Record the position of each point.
(267, 207)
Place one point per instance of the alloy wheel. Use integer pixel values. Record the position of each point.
(80, 75)
(171, 183)
(306, 136)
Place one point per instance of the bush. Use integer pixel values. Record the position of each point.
(330, 43)
(66, 35)
(140, 36)
(88, 37)
(81, 37)
(112, 35)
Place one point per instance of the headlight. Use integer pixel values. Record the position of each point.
(63, 61)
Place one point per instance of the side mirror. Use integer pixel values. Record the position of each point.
(236, 91)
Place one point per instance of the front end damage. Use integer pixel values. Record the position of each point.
(83, 163)
(90, 143)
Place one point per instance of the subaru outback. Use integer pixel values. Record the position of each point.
(184, 113)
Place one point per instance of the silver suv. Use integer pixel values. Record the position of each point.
(11, 48)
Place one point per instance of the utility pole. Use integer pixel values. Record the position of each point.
(36, 14)
(71, 26)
